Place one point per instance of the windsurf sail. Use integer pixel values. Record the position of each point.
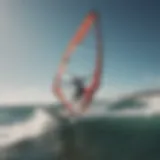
(91, 19)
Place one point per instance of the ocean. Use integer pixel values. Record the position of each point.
(122, 130)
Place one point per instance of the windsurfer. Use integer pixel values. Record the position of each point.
(83, 95)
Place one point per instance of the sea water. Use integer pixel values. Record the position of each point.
(112, 132)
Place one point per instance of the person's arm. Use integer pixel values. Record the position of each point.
(88, 95)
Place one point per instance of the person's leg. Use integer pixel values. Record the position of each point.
(78, 93)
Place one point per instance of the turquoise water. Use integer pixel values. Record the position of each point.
(14, 114)
(114, 139)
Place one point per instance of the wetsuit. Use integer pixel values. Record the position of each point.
(79, 87)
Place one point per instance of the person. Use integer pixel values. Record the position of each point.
(79, 86)
(78, 83)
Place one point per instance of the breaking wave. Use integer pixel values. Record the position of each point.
(31, 128)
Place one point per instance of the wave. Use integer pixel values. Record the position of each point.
(35, 126)
(145, 106)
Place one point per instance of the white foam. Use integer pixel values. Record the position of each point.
(151, 107)
(31, 128)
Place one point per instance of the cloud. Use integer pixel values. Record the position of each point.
(32, 94)
(116, 91)
(25, 95)
(10, 94)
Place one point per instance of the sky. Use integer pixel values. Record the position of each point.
(34, 35)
